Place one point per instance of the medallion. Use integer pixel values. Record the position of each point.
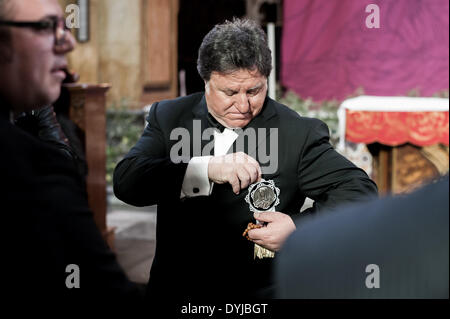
(263, 196)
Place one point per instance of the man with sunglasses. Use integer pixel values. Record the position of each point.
(54, 251)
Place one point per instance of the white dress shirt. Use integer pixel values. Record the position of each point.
(196, 181)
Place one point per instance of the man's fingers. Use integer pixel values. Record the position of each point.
(257, 234)
(238, 169)
(247, 160)
(258, 241)
(235, 184)
(261, 236)
(252, 161)
(267, 217)
(248, 172)
(253, 172)
(273, 235)
(244, 176)
(258, 172)
(256, 165)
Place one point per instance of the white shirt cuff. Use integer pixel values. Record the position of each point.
(196, 181)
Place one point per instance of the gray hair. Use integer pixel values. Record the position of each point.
(234, 45)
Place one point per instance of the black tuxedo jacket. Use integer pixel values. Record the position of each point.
(200, 249)
(46, 226)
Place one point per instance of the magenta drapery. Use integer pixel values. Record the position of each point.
(328, 52)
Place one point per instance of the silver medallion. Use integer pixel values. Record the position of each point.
(263, 196)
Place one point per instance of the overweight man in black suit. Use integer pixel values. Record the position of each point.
(201, 155)
(52, 252)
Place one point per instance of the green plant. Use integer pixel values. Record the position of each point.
(442, 94)
(123, 129)
(325, 111)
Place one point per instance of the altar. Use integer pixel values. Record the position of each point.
(408, 138)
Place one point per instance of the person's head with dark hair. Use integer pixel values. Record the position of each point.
(234, 45)
(235, 61)
(32, 57)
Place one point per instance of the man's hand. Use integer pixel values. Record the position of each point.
(272, 236)
(238, 169)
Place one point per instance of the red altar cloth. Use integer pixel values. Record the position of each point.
(395, 128)
(394, 120)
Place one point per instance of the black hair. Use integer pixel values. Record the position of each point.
(234, 45)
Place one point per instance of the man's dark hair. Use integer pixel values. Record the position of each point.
(234, 45)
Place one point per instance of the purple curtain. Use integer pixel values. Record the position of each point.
(328, 52)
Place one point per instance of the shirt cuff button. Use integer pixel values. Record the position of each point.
(196, 190)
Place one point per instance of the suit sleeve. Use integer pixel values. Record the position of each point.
(101, 276)
(146, 175)
(328, 177)
(57, 230)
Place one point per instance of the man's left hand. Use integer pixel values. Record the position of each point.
(272, 236)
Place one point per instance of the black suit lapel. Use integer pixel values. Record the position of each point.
(202, 136)
(222, 195)
(262, 127)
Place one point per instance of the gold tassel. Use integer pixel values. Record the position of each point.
(262, 252)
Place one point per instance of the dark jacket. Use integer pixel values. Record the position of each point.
(200, 249)
(47, 225)
(406, 237)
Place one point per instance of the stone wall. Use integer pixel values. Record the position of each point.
(130, 43)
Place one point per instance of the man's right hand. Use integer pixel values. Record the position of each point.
(238, 169)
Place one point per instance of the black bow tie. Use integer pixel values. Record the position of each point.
(214, 123)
